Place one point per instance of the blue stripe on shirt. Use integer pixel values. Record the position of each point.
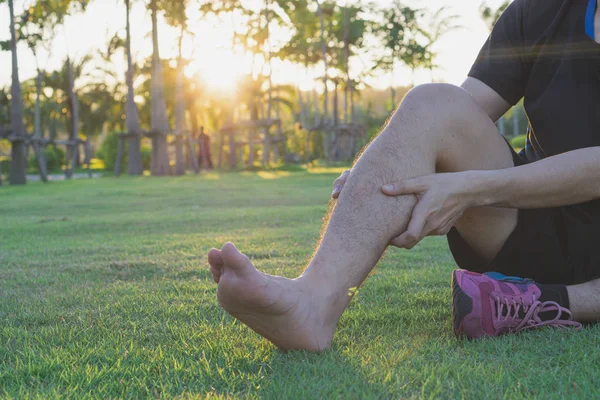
(590, 15)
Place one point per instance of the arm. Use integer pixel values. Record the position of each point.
(569, 178)
(565, 179)
(491, 102)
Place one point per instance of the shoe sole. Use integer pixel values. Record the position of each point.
(462, 305)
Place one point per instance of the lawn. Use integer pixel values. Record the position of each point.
(105, 293)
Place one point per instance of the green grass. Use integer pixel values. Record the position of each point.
(104, 293)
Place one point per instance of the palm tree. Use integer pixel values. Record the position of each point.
(132, 122)
(37, 124)
(159, 120)
(440, 24)
(175, 13)
(18, 156)
(320, 12)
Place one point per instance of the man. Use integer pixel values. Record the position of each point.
(441, 167)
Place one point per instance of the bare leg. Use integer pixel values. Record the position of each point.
(437, 128)
(584, 301)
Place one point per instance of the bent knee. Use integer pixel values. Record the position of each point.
(441, 104)
(441, 98)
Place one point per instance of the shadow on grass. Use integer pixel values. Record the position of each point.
(302, 375)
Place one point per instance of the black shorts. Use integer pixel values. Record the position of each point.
(553, 245)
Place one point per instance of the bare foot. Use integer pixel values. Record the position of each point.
(282, 310)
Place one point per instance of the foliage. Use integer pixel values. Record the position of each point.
(492, 15)
(109, 149)
(400, 33)
(55, 159)
(519, 142)
(146, 152)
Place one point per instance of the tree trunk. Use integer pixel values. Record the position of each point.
(220, 145)
(73, 148)
(317, 113)
(346, 60)
(252, 135)
(18, 163)
(352, 107)
(266, 156)
(232, 152)
(393, 90)
(159, 120)
(336, 112)
(325, 66)
(502, 126)
(515, 120)
(302, 109)
(179, 112)
(193, 143)
(135, 166)
(40, 155)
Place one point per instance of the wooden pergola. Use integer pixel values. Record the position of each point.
(251, 129)
(185, 135)
(39, 145)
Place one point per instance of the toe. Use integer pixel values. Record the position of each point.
(215, 258)
(233, 258)
(216, 274)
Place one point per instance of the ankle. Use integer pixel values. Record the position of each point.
(327, 298)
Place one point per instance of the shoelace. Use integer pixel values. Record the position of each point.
(531, 319)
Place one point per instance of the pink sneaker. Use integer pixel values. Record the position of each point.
(483, 306)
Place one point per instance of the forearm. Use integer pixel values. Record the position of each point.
(569, 178)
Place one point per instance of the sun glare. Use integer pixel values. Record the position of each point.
(220, 68)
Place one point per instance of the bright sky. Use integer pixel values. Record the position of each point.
(210, 48)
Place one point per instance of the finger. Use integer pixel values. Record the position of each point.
(395, 242)
(408, 186)
(339, 184)
(413, 234)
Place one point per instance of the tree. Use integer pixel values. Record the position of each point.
(440, 24)
(159, 120)
(491, 15)
(399, 31)
(132, 122)
(18, 154)
(175, 14)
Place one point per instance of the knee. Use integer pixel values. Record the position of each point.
(439, 99)
(437, 104)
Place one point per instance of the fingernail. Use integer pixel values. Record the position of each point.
(335, 190)
(388, 187)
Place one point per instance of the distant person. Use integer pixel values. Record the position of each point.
(204, 156)
(440, 167)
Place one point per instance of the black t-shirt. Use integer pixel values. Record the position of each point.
(542, 50)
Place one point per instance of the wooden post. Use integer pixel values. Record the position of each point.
(232, 153)
(192, 153)
(88, 156)
(41, 160)
(221, 144)
(307, 153)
